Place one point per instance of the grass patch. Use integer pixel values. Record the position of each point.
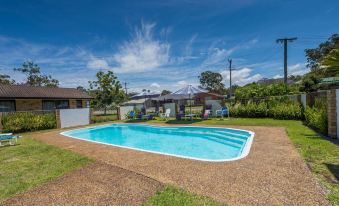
(320, 154)
(172, 196)
(31, 163)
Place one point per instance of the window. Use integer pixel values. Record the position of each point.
(7, 105)
(79, 103)
(55, 104)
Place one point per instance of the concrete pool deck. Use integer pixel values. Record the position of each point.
(272, 174)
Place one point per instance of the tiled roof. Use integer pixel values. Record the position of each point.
(24, 91)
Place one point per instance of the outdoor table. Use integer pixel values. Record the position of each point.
(190, 116)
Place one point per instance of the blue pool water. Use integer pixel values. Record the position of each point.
(200, 143)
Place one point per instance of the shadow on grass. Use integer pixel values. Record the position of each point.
(334, 169)
(173, 121)
(136, 120)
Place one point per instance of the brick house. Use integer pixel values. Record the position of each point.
(29, 98)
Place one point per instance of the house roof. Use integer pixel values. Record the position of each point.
(30, 92)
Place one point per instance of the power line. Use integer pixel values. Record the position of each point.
(230, 69)
(285, 42)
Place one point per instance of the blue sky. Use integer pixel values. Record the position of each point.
(161, 44)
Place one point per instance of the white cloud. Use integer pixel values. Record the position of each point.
(142, 53)
(154, 84)
(278, 76)
(97, 64)
(182, 83)
(297, 69)
(241, 76)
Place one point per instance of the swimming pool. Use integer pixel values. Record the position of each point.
(193, 142)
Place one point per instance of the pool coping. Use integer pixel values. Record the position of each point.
(244, 152)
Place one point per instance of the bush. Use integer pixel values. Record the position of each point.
(27, 121)
(286, 111)
(103, 118)
(316, 117)
(249, 110)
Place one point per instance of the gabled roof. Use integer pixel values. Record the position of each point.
(30, 92)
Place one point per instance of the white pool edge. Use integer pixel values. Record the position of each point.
(245, 151)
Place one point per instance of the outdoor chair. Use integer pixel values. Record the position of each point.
(206, 114)
(166, 114)
(8, 137)
(222, 113)
(131, 115)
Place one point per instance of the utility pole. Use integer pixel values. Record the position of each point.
(230, 69)
(285, 42)
(125, 88)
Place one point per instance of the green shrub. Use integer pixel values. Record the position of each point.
(274, 109)
(27, 121)
(249, 110)
(316, 117)
(291, 110)
(103, 118)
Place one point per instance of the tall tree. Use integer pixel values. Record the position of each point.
(331, 63)
(316, 56)
(107, 90)
(34, 76)
(6, 79)
(319, 60)
(164, 92)
(212, 81)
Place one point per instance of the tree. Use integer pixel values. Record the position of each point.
(212, 81)
(164, 92)
(316, 56)
(34, 77)
(6, 79)
(82, 89)
(331, 63)
(107, 90)
(319, 60)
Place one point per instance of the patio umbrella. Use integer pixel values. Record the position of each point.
(190, 91)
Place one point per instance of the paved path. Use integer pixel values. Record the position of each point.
(95, 184)
(272, 174)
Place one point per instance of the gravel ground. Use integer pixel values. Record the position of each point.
(95, 184)
(272, 174)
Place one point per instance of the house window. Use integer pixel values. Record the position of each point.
(7, 105)
(55, 104)
(79, 103)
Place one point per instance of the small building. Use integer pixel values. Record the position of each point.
(30, 98)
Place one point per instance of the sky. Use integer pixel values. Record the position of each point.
(161, 44)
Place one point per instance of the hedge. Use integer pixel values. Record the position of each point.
(27, 121)
(290, 110)
(103, 118)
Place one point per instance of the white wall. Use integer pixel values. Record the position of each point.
(124, 110)
(170, 106)
(337, 101)
(215, 105)
(74, 117)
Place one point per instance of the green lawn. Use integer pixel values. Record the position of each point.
(321, 155)
(172, 196)
(31, 163)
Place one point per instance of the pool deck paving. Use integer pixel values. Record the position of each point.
(272, 174)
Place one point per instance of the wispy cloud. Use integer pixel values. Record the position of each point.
(141, 53)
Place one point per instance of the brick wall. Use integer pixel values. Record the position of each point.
(332, 113)
(28, 104)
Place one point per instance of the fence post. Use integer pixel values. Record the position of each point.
(332, 113)
(1, 127)
(118, 113)
(57, 118)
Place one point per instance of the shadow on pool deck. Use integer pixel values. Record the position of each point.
(272, 174)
